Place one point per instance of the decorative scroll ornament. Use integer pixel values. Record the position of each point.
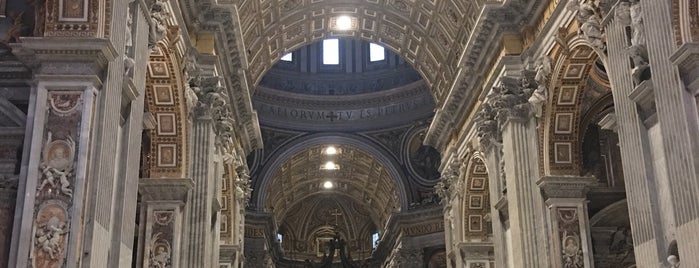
(590, 22)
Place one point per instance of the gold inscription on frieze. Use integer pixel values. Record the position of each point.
(253, 232)
(423, 229)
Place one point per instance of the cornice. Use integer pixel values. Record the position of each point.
(162, 189)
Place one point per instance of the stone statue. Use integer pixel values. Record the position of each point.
(158, 19)
(638, 35)
(590, 22)
(540, 95)
(128, 43)
(190, 74)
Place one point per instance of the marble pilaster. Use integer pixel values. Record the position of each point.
(571, 244)
(160, 234)
(525, 203)
(49, 220)
(133, 86)
(677, 110)
(199, 205)
(640, 173)
(498, 214)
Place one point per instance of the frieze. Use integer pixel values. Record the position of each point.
(254, 232)
(423, 228)
(307, 113)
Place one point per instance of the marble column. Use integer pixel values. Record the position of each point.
(571, 244)
(53, 221)
(199, 217)
(161, 230)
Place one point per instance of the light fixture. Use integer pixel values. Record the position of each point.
(331, 150)
(330, 165)
(328, 185)
(343, 23)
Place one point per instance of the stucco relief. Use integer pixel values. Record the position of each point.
(569, 235)
(50, 236)
(161, 241)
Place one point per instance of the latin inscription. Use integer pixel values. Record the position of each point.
(253, 232)
(422, 229)
(345, 115)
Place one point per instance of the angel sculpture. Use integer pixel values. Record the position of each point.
(57, 165)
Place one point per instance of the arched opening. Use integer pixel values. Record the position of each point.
(373, 115)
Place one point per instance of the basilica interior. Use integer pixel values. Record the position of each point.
(349, 133)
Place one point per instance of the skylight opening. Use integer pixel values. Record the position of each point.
(331, 52)
(376, 52)
(287, 57)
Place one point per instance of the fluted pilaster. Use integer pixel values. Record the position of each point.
(198, 227)
(634, 146)
(677, 113)
(525, 203)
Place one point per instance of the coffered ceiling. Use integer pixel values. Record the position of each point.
(361, 177)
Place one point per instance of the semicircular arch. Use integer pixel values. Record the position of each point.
(265, 177)
(575, 70)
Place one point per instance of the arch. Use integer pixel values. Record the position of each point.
(263, 180)
(573, 72)
(476, 202)
(165, 153)
(684, 16)
(612, 210)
